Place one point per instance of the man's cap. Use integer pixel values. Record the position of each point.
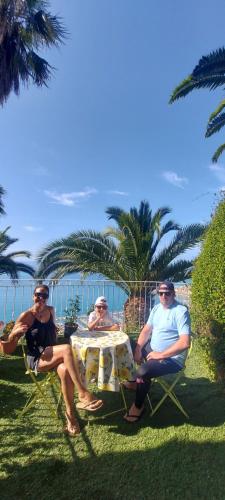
(101, 301)
(168, 284)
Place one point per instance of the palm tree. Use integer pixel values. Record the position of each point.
(2, 192)
(26, 26)
(128, 253)
(7, 264)
(209, 73)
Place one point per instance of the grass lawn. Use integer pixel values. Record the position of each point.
(166, 457)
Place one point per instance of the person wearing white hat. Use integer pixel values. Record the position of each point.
(100, 319)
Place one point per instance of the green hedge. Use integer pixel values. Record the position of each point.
(208, 293)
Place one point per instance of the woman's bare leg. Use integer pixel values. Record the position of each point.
(55, 355)
(67, 386)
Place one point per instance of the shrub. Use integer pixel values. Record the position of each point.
(72, 311)
(8, 328)
(208, 292)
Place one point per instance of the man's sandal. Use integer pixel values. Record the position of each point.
(135, 418)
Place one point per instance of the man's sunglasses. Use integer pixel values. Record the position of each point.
(41, 295)
(101, 307)
(167, 294)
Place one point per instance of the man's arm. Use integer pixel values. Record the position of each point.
(180, 345)
(142, 339)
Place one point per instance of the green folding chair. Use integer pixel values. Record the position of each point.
(40, 393)
(168, 388)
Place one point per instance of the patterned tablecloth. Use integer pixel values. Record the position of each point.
(103, 356)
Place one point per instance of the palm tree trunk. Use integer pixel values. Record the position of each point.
(136, 312)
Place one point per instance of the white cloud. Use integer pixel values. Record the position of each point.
(218, 171)
(119, 193)
(32, 229)
(70, 199)
(173, 178)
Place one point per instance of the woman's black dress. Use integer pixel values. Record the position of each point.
(38, 337)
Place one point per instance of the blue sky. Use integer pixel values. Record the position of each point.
(103, 133)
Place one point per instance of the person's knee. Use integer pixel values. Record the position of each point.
(62, 371)
(67, 350)
(143, 370)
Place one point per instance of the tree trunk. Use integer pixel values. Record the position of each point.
(136, 312)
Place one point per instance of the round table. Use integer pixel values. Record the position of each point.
(104, 356)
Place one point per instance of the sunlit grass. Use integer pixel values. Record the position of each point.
(166, 457)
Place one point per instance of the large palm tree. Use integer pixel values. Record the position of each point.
(26, 26)
(130, 253)
(209, 73)
(8, 265)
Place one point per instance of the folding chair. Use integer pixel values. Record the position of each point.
(40, 390)
(168, 388)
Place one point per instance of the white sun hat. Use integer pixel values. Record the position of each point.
(101, 301)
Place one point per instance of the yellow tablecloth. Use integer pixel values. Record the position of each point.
(105, 356)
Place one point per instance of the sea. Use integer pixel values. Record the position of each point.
(16, 297)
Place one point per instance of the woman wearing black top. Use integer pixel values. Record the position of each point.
(43, 355)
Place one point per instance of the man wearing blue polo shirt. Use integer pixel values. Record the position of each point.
(163, 342)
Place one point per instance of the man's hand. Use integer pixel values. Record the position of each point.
(155, 355)
(137, 354)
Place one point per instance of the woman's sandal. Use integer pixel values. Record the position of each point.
(93, 405)
(73, 429)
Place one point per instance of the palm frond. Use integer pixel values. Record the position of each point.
(6, 240)
(217, 111)
(169, 226)
(7, 263)
(210, 65)
(21, 253)
(215, 125)
(114, 233)
(114, 213)
(186, 238)
(218, 153)
(38, 69)
(190, 83)
(178, 270)
(186, 86)
(8, 267)
(25, 268)
(26, 27)
(2, 193)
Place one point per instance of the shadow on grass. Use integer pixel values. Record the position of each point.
(12, 368)
(203, 400)
(12, 400)
(174, 470)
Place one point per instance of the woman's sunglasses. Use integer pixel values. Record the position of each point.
(167, 294)
(41, 295)
(101, 307)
